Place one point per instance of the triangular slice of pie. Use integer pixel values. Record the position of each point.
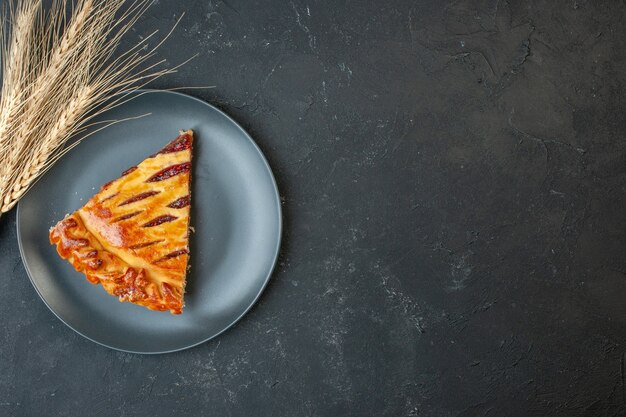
(133, 236)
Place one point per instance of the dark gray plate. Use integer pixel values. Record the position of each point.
(235, 212)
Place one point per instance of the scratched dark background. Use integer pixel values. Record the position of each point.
(454, 188)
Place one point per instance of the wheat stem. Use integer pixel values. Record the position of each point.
(59, 73)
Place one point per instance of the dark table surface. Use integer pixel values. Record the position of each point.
(453, 183)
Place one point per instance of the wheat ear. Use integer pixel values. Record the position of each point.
(59, 73)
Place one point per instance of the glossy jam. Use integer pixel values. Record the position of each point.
(109, 197)
(159, 220)
(139, 197)
(183, 142)
(128, 171)
(126, 216)
(144, 245)
(171, 255)
(180, 203)
(170, 172)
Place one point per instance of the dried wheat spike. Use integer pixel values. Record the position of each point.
(59, 73)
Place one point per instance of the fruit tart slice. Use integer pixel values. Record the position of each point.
(133, 236)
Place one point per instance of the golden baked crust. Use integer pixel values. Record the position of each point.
(133, 235)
